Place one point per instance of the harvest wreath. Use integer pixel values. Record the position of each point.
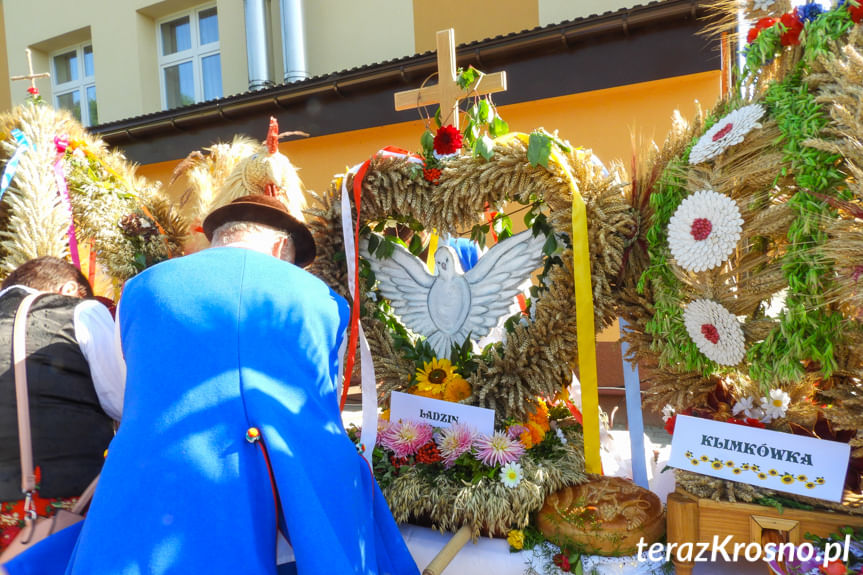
(520, 377)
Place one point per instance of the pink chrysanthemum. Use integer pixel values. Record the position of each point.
(383, 426)
(406, 437)
(497, 449)
(453, 441)
(514, 431)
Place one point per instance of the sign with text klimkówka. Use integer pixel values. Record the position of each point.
(760, 457)
(439, 413)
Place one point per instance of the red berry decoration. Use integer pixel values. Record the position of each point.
(701, 229)
(431, 175)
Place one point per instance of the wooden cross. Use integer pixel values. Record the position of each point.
(31, 76)
(447, 92)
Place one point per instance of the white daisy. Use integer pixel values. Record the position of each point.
(704, 230)
(715, 331)
(728, 131)
(775, 405)
(511, 474)
(667, 412)
(747, 407)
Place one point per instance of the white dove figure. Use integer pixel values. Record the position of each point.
(450, 305)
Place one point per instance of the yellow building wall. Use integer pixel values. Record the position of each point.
(345, 34)
(474, 20)
(5, 92)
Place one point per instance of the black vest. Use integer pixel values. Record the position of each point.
(70, 430)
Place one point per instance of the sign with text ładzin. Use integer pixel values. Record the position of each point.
(771, 459)
(439, 413)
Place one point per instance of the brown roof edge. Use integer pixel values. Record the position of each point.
(407, 71)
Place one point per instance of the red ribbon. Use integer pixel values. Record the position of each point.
(355, 306)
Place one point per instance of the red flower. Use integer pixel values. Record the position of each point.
(431, 175)
(561, 561)
(793, 28)
(762, 24)
(749, 422)
(34, 91)
(856, 12)
(669, 425)
(447, 140)
(834, 568)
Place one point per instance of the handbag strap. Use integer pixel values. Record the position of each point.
(19, 360)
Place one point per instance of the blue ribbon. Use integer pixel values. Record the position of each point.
(12, 165)
(634, 416)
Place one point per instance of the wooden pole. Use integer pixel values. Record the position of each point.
(449, 551)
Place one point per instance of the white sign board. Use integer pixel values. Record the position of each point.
(439, 413)
(771, 459)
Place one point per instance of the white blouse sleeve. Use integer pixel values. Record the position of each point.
(95, 332)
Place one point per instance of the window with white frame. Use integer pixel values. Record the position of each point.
(190, 67)
(73, 82)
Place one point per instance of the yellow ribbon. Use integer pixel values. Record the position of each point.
(585, 329)
(432, 250)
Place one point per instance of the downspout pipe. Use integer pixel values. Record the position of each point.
(257, 43)
(293, 41)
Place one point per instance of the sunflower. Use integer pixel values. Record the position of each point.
(434, 372)
(435, 379)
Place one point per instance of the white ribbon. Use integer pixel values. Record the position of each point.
(369, 431)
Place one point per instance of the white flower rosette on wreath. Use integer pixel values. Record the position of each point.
(715, 330)
(728, 131)
(704, 230)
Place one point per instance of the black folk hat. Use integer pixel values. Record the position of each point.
(267, 210)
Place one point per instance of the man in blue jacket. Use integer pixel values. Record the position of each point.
(231, 427)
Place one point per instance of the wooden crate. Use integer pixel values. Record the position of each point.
(695, 520)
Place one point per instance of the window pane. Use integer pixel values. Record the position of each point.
(91, 105)
(66, 67)
(209, 25)
(88, 61)
(179, 85)
(211, 67)
(176, 36)
(71, 102)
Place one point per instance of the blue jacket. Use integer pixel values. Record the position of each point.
(216, 343)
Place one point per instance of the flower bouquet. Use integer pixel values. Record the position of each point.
(837, 554)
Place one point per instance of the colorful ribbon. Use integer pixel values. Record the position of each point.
(351, 236)
(12, 165)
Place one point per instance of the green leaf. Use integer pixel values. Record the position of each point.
(538, 149)
(427, 141)
(484, 111)
(498, 127)
(385, 250)
(437, 117)
(374, 242)
(484, 147)
(467, 77)
(550, 245)
(416, 245)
